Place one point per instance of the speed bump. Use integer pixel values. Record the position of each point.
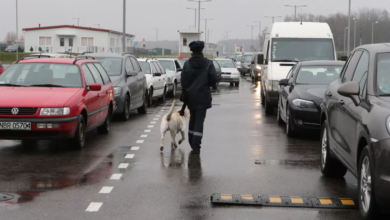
(283, 201)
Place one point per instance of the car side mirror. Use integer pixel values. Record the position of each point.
(157, 74)
(131, 73)
(284, 82)
(253, 62)
(343, 58)
(265, 61)
(260, 59)
(95, 87)
(351, 90)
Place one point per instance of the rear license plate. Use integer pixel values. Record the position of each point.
(15, 126)
(225, 76)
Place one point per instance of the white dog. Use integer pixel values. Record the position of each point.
(174, 123)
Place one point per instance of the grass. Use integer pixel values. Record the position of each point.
(10, 57)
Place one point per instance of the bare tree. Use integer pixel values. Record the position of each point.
(10, 37)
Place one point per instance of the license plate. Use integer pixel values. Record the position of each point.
(15, 126)
(225, 76)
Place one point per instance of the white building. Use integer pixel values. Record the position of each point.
(186, 37)
(74, 38)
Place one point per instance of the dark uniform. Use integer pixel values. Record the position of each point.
(196, 78)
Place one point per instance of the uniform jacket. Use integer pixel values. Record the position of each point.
(196, 78)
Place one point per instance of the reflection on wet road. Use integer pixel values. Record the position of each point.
(243, 152)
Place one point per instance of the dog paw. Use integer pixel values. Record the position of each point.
(161, 148)
(175, 145)
(181, 141)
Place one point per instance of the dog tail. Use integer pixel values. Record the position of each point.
(169, 115)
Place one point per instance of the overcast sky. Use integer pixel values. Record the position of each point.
(168, 15)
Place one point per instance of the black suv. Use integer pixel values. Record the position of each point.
(128, 79)
(355, 120)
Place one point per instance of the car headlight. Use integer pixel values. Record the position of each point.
(117, 90)
(55, 111)
(273, 85)
(303, 103)
(258, 67)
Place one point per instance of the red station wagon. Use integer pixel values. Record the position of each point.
(55, 98)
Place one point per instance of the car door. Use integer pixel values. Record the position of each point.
(286, 90)
(141, 81)
(164, 77)
(157, 79)
(334, 101)
(102, 96)
(107, 88)
(218, 69)
(92, 99)
(179, 69)
(131, 82)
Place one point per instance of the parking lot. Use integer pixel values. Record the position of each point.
(124, 175)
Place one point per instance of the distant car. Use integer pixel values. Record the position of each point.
(255, 71)
(246, 61)
(1, 68)
(128, 79)
(55, 98)
(156, 79)
(356, 127)
(238, 63)
(11, 48)
(230, 73)
(302, 93)
(48, 55)
(233, 56)
(218, 69)
(173, 69)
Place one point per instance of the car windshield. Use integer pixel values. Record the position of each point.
(226, 63)
(318, 75)
(247, 58)
(168, 65)
(301, 49)
(113, 66)
(383, 73)
(42, 75)
(145, 67)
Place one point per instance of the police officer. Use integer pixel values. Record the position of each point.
(197, 77)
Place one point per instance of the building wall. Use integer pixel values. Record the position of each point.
(190, 37)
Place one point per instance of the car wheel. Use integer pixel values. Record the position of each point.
(78, 141)
(105, 127)
(367, 204)
(173, 92)
(163, 97)
(126, 109)
(278, 117)
(237, 84)
(330, 166)
(268, 107)
(150, 98)
(289, 130)
(143, 108)
(231, 84)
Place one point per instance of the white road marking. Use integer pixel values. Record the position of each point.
(129, 156)
(151, 126)
(156, 119)
(123, 165)
(147, 131)
(106, 189)
(158, 115)
(140, 141)
(144, 135)
(153, 122)
(94, 206)
(134, 148)
(116, 176)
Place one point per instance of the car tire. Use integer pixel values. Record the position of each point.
(126, 109)
(78, 141)
(150, 98)
(278, 116)
(164, 95)
(268, 107)
(330, 166)
(105, 127)
(289, 131)
(172, 94)
(368, 206)
(237, 84)
(144, 107)
(262, 96)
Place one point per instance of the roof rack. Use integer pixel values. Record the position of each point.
(86, 52)
(37, 56)
(82, 58)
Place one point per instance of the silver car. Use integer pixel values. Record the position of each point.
(173, 69)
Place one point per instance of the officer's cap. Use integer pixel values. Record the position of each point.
(196, 46)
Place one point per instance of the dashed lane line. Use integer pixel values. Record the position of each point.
(106, 190)
(129, 156)
(144, 135)
(155, 119)
(134, 148)
(140, 141)
(123, 166)
(150, 126)
(152, 122)
(147, 131)
(116, 176)
(94, 207)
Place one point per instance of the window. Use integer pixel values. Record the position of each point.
(87, 41)
(145, 67)
(62, 42)
(112, 42)
(216, 65)
(44, 41)
(226, 64)
(161, 68)
(168, 65)
(103, 73)
(87, 75)
(129, 67)
(154, 68)
(318, 75)
(383, 74)
(113, 66)
(135, 64)
(361, 69)
(349, 68)
(95, 73)
(70, 42)
(289, 74)
(185, 41)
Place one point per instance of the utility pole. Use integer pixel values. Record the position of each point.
(17, 33)
(205, 32)
(259, 33)
(195, 9)
(156, 37)
(295, 6)
(345, 36)
(373, 25)
(273, 17)
(227, 42)
(252, 47)
(78, 21)
(349, 28)
(199, 1)
(124, 27)
(354, 35)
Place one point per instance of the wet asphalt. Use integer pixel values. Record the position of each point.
(243, 152)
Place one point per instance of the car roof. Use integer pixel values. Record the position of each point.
(322, 62)
(376, 48)
(114, 55)
(172, 59)
(57, 60)
(147, 60)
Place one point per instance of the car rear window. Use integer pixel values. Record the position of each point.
(226, 63)
(168, 65)
(113, 66)
(42, 75)
(318, 75)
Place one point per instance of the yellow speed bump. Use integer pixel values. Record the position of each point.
(347, 201)
(247, 197)
(226, 197)
(296, 200)
(325, 201)
(275, 199)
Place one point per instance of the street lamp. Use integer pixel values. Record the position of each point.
(373, 24)
(17, 33)
(195, 13)
(345, 36)
(78, 21)
(295, 6)
(349, 28)
(252, 35)
(206, 19)
(354, 35)
(199, 1)
(124, 27)
(227, 41)
(259, 32)
(273, 17)
(156, 36)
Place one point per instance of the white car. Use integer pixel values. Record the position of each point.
(229, 70)
(238, 63)
(156, 79)
(173, 69)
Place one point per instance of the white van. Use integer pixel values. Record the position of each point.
(286, 44)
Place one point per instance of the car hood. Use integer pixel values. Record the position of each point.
(310, 92)
(36, 96)
(278, 70)
(230, 70)
(115, 80)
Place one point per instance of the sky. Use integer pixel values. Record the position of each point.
(168, 16)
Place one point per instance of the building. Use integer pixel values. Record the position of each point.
(186, 37)
(75, 39)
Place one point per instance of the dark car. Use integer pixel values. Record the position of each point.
(218, 69)
(302, 93)
(246, 61)
(128, 79)
(356, 126)
(255, 71)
